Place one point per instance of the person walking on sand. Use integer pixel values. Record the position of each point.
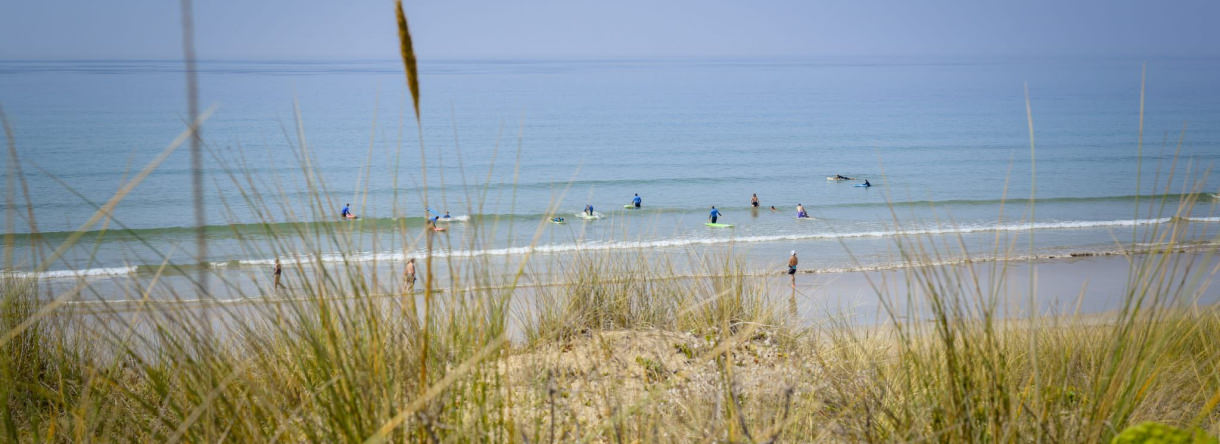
(754, 200)
(277, 272)
(408, 276)
(792, 268)
(714, 214)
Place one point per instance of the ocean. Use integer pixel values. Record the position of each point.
(510, 143)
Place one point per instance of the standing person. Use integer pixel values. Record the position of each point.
(714, 214)
(589, 210)
(754, 200)
(792, 268)
(800, 211)
(636, 200)
(408, 276)
(277, 272)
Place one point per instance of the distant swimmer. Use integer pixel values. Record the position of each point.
(714, 214)
(800, 211)
(347, 212)
(792, 268)
(842, 177)
(754, 200)
(446, 216)
(637, 201)
(557, 219)
(773, 209)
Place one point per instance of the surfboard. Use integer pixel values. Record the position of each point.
(862, 185)
(438, 228)
(805, 218)
(631, 206)
(588, 217)
(719, 225)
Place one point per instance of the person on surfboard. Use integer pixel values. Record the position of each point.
(347, 212)
(714, 214)
(866, 184)
(636, 200)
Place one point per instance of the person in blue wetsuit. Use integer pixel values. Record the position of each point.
(636, 200)
(446, 216)
(347, 211)
(715, 214)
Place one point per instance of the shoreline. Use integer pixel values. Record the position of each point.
(1089, 282)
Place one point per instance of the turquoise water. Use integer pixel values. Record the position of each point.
(944, 142)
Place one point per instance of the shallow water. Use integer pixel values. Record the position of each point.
(944, 142)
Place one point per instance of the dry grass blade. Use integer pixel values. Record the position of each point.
(408, 56)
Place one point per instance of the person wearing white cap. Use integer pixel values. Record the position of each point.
(792, 268)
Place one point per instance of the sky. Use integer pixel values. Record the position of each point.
(457, 29)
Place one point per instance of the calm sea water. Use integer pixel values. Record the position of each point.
(944, 141)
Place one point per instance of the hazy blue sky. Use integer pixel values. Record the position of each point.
(328, 29)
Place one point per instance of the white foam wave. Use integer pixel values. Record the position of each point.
(582, 215)
(61, 274)
(686, 242)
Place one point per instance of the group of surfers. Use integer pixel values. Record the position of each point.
(346, 213)
(713, 215)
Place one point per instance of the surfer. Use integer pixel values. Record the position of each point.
(792, 268)
(408, 276)
(800, 212)
(754, 200)
(446, 216)
(636, 200)
(589, 210)
(347, 212)
(432, 222)
(866, 184)
(557, 219)
(714, 214)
